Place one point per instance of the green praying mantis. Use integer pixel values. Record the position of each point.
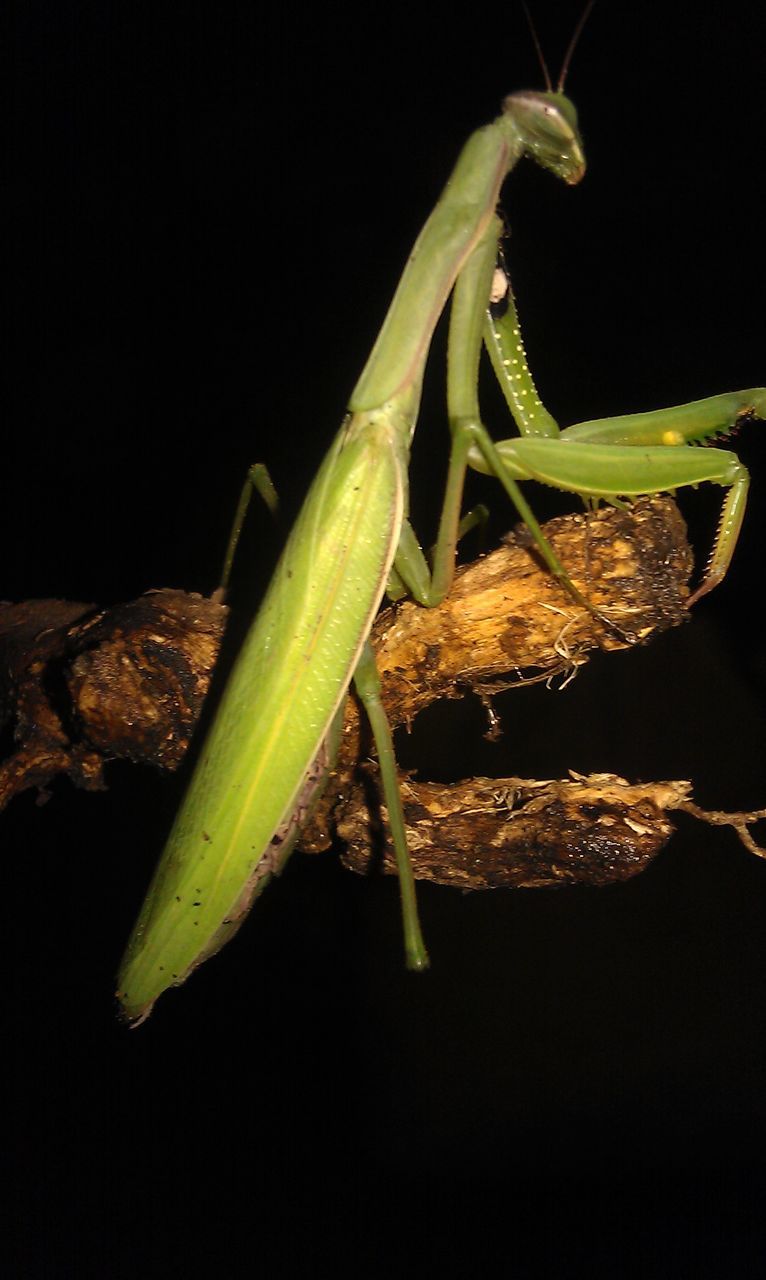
(271, 744)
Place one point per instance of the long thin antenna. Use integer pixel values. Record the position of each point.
(572, 43)
(540, 57)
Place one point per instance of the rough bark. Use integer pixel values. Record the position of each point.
(83, 686)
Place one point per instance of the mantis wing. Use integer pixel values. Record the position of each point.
(288, 682)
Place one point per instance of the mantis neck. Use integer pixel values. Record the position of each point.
(455, 227)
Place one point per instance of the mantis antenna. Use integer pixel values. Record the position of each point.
(570, 49)
(573, 45)
(540, 57)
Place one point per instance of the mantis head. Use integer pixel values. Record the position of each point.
(547, 125)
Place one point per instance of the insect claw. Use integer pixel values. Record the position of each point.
(627, 637)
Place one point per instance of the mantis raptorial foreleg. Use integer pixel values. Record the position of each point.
(267, 750)
(639, 453)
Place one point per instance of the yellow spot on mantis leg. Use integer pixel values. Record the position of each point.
(672, 437)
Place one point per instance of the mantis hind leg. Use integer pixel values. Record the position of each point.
(367, 682)
(257, 481)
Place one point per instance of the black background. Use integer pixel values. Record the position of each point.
(210, 208)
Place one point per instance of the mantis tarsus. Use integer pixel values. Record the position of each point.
(271, 742)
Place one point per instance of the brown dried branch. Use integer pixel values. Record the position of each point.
(84, 686)
(520, 833)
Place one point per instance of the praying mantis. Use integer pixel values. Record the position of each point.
(272, 740)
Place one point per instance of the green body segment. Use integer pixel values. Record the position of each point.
(287, 684)
(542, 125)
(465, 209)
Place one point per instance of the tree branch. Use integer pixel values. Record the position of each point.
(83, 686)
